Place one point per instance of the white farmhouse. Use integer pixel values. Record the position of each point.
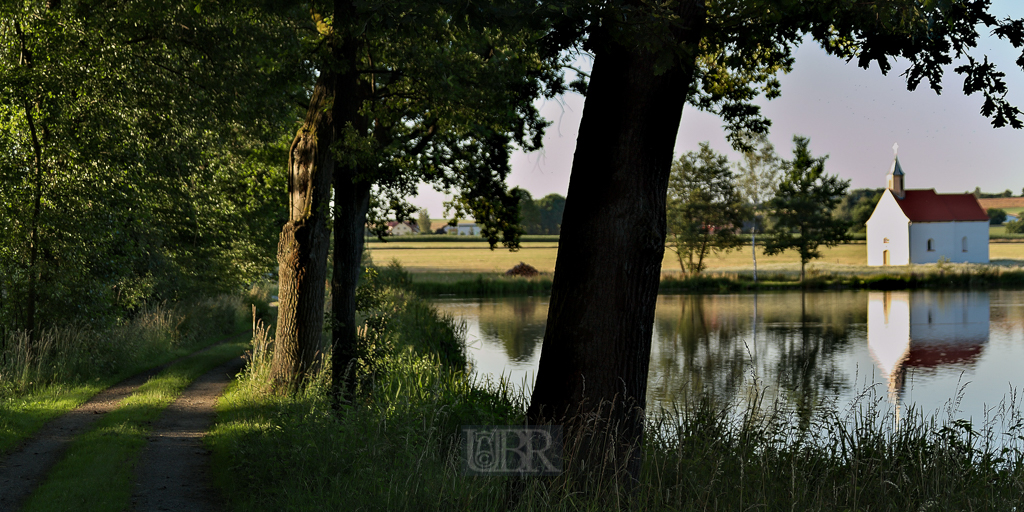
(463, 229)
(920, 226)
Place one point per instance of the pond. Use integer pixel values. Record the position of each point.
(959, 351)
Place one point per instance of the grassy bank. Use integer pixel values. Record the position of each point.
(819, 277)
(397, 447)
(44, 378)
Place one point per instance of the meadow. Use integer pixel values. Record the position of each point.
(425, 260)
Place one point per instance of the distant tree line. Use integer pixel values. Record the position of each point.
(540, 216)
(985, 195)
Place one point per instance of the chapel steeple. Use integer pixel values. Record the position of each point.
(895, 177)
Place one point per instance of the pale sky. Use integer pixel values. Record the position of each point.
(851, 114)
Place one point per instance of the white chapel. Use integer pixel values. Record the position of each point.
(920, 226)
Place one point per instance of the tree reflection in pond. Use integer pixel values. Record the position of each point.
(807, 349)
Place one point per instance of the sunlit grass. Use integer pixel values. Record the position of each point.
(427, 262)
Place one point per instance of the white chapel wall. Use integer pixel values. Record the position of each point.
(887, 230)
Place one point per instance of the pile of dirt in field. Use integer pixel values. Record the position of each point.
(523, 270)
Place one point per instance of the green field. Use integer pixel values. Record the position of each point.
(475, 257)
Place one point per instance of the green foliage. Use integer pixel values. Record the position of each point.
(542, 216)
(450, 90)
(704, 209)
(802, 207)
(996, 216)
(1015, 226)
(403, 451)
(985, 195)
(136, 166)
(423, 222)
(857, 206)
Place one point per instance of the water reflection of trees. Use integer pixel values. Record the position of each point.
(709, 344)
(517, 323)
(805, 369)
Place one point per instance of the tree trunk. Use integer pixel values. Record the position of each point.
(351, 201)
(592, 376)
(302, 250)
(753, 245)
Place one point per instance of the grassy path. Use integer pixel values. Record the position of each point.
(95, 446)
(173, 471)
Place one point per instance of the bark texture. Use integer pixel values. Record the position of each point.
(303, 246)
(594, 362)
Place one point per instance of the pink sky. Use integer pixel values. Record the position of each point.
(851, 114)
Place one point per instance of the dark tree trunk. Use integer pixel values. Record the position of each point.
(302, 249)
(593, 368)
(351, 200)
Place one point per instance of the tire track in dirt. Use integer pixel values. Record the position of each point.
(173, 472)
(24, 468)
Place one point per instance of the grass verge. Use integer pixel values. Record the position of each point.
(104, 458)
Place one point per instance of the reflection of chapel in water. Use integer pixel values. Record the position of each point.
(924, 330)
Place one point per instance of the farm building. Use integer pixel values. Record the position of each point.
(921, 226)
(464, 229)
(402, 228)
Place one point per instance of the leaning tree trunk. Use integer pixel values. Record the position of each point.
(302, 249)
(593, 367)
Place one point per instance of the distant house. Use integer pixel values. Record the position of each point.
(402, 228)
(921, 226)
(463, 229)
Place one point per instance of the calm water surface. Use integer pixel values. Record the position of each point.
(918, 348)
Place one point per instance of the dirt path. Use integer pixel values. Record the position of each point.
(173, 471)
(26, 467)
(23, 469)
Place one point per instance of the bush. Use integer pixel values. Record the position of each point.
(996, 216)
(1015, 227)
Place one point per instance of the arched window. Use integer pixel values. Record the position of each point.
(931, 244)
(964, 243)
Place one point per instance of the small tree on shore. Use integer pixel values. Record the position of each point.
(802, 207)
(704, 209)
(423, 222)
(758, 176)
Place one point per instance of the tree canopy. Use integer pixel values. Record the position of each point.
(139, 152)
(705, 211)
(802, 209)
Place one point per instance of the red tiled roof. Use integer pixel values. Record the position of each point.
(927, 206)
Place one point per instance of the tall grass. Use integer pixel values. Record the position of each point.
(72, 354)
